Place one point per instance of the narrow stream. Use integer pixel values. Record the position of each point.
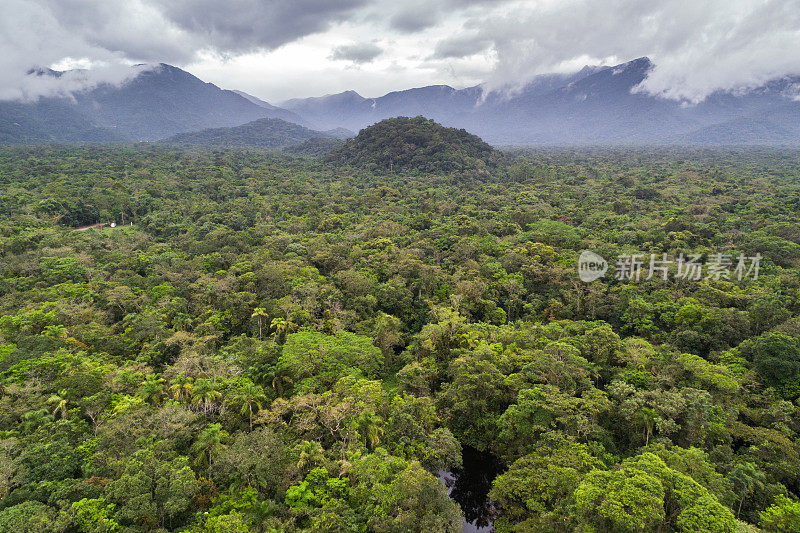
(469, 487)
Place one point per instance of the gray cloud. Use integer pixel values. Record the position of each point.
(460, 46)
(415, 20)
(116, 33)
(417, 15)
(243, 25)
(698, 47)
(357, 53)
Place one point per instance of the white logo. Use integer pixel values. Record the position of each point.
(591, 266)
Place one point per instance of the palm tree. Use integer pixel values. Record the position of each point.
(259, 313)
(369, 427)
(58, 331)
(34, 419)
(205, 393)
(648, 418)
(152, 388)
(311, 454)
(279, 325)
(181, 387)
(249, 394)
(60, 401)
(209, 443)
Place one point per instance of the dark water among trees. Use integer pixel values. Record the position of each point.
(469, 487)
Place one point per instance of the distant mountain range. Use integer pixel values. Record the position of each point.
(261, 133)
(598, 105)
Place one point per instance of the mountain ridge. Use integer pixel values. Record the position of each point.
(156, 103)
(598, 105)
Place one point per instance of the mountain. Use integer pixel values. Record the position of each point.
(594, 106)
(262, 133)
(49, 120)
(415, 144)
(276, 111)
(156, 103)
(597, 105)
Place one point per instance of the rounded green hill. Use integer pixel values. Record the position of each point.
(418, 144)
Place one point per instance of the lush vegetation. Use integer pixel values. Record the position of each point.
(280, 344)
(261, 133)
(416, 143)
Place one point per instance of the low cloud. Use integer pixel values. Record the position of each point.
(111, 34)
(697, 48)
(358, 53)
(460, 46)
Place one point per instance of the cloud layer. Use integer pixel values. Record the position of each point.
(281, 48)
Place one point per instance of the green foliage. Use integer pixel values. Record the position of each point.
(314, 361)
(775, 355)
(94, 516)
(285, 344)
(782, 516)
(261, 133)
(27, 517)
(415, 144)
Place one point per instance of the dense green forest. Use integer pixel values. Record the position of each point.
(262, 133)
(269, 342)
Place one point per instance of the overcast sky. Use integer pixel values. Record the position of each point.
(279, 49)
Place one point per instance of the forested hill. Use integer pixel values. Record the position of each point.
(416, 144)
(262, 133)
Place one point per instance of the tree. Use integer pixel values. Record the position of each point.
(181, 387)
(249, 395)
(95, 516)
(643, 494)
(152, 388)
(27, 517)
(259, 459)
(746, 478)
(60, 401)
(259, 313)
(775, 355)
(205, 394)
(782, 516)
(315, 361)
(370, 428)
(647, 417)
(151, 490)
(309, 455)
(209, 443)
(537, 489)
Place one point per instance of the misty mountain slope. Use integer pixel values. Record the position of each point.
(599, 108)
(275, 111)
(439, 102)
(597, 105)
(165, 101)
(49, 120)
(261, 133)
(780, 125)
(157, 103)
(347, 110)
